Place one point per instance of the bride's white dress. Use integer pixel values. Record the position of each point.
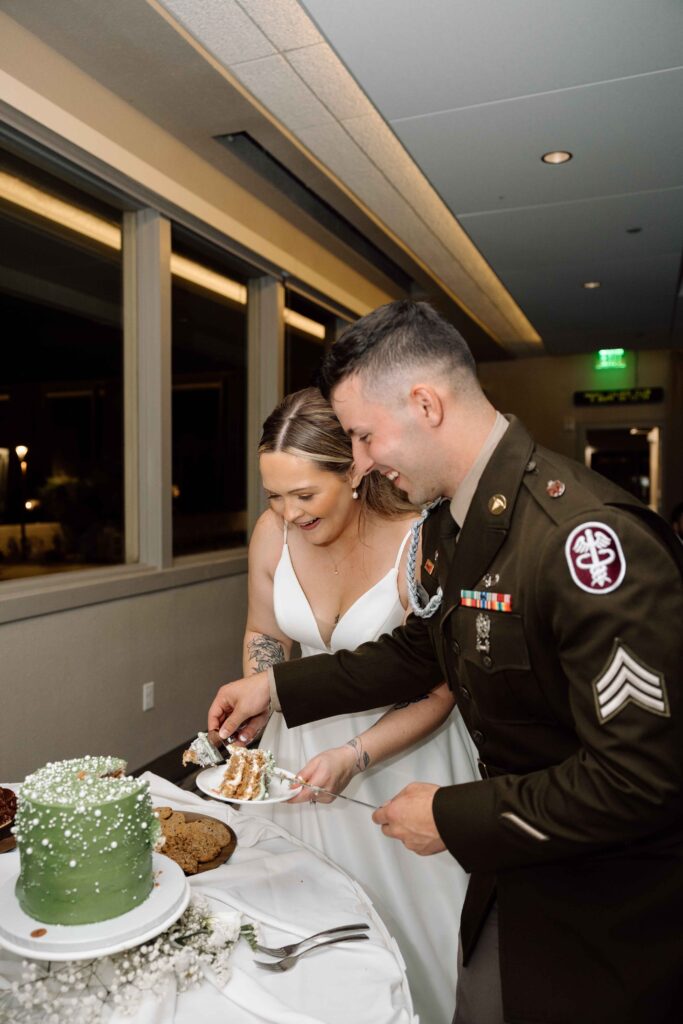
(419, 898)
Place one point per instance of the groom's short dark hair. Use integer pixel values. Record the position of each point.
(394, 336)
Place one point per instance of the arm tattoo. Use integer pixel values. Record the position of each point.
(265, 651)
(362, 756)
(406, 703)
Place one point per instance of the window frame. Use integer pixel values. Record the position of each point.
(146, 287)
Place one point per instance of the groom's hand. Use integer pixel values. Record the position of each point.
(409, 817)
(235, 703)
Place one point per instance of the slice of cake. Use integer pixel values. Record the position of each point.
(202, 752)
(85, 832)
(247, 774)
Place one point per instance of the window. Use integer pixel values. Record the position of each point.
(61, 376)
(209, 361)
(309, 328)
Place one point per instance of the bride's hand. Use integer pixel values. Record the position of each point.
(333, 769)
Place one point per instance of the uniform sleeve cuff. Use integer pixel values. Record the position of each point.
(274, 699)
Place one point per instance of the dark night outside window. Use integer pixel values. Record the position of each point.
(209, 403)
(61, 505)
(304, 351)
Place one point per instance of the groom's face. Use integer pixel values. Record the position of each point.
(388, 438)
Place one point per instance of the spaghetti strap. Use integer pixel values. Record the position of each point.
(400, 550)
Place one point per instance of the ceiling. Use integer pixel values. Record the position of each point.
(478, 91)
(423, 125)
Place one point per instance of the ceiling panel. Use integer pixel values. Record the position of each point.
(278, 86)
(625, 137)
(284, 22)
(571, 232)
(329, 80)
(232, 33)
(440, 54)
(478, 91)
(635, 295)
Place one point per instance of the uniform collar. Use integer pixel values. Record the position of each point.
(462, 499)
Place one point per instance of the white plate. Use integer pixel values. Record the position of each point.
(278, 789)
(164, 905)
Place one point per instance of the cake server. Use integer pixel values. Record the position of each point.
(207, 750)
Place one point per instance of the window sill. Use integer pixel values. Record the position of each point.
(44, 595)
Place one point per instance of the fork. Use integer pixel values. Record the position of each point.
(294, 946)
(288, 962)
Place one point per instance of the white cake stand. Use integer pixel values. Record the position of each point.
(168, 899)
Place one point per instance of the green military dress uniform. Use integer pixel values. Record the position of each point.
(561, 634)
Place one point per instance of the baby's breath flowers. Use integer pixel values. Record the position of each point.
(198, 945)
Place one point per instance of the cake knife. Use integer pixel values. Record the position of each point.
(319, 789)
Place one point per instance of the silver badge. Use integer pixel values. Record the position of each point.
(482, 625)
(490, 579)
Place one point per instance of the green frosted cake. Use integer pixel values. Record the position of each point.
(85, 833)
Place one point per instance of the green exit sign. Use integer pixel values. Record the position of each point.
(610, 359)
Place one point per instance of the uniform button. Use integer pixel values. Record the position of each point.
(478, 737)
(487, 660)
(465, 693)
(455, 647)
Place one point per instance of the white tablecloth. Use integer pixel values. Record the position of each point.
(291, 891)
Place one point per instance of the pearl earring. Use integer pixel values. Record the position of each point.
(354, 494)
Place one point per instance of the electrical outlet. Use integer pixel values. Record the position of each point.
(147, 696)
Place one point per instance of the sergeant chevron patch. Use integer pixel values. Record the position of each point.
(627, 680)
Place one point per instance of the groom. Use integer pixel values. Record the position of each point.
(557, 624)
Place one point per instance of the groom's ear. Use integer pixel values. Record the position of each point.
(426, 404)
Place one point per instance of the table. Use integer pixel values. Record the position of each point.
(290, 890)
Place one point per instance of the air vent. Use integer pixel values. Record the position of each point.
(261, 162)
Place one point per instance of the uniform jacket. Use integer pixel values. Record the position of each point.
(560, 633)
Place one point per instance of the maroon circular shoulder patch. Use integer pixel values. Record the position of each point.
(595, 558)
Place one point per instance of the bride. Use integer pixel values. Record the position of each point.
(327, 571)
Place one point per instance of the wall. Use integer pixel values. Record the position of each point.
(72, 682)
(539, 391)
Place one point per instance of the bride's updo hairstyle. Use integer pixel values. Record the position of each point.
(304, 424)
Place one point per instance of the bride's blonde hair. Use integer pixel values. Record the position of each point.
(304, 424)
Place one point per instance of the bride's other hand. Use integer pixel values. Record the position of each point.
(333, 769)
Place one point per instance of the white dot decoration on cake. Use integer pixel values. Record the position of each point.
(86, 821)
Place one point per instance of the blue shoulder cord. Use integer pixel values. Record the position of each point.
(413, 596)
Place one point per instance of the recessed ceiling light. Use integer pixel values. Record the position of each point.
(592, 284)
(557, 156)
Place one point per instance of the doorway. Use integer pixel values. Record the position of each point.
(629, 456)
